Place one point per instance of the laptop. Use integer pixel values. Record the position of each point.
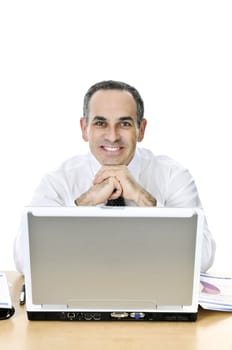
(106, 264)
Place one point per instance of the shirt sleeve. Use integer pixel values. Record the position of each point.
(19, 249)
(51, 192)
(182, 192)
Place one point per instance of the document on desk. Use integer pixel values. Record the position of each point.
(215, 292)
(5, 300)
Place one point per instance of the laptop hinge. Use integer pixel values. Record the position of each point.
(54, 307)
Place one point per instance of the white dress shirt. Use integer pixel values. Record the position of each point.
(171, 184)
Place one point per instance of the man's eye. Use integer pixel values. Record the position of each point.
(99, 123)
(125, 124)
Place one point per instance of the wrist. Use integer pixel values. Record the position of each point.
(84, 200)
(145, 199)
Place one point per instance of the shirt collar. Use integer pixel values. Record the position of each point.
(134, 165)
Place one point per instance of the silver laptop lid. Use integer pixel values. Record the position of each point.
(113, 258)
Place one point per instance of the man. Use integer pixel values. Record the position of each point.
(113, 122)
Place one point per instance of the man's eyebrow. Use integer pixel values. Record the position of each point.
(126, 118)
(99, 117)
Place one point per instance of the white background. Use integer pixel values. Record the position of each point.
(177, 53)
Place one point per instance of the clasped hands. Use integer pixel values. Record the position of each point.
(111, 182)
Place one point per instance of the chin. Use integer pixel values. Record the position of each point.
(114, 161)
(108, 162)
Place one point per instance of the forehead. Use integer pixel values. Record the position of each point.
(112, 103)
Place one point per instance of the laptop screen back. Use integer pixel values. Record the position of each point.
(113, 262)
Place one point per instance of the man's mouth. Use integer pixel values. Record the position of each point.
(112, 149)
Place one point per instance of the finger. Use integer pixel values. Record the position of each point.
(106, 172)
(117, 193)
(100, 193)
(102, 177)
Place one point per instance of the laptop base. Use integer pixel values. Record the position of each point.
(110, 316)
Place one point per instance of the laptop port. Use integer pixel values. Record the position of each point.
(97, 316)
(71, 315)
(137, 315)
(79, 316)
(119, 315)
(88, 316)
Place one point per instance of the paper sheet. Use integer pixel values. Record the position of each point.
(215, 292)
(5, 300)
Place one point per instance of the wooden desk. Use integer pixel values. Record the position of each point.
(213, 330)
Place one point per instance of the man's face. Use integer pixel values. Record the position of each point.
(112, 129)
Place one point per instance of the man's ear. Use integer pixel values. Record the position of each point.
(83, 125)
(142, 129)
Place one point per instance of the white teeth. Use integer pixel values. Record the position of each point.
(112, 149)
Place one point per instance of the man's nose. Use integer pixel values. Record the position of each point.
(112, 134)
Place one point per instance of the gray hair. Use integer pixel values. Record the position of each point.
(114, 85)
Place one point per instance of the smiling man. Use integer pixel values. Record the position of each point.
(115, 168)
(113, 127)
